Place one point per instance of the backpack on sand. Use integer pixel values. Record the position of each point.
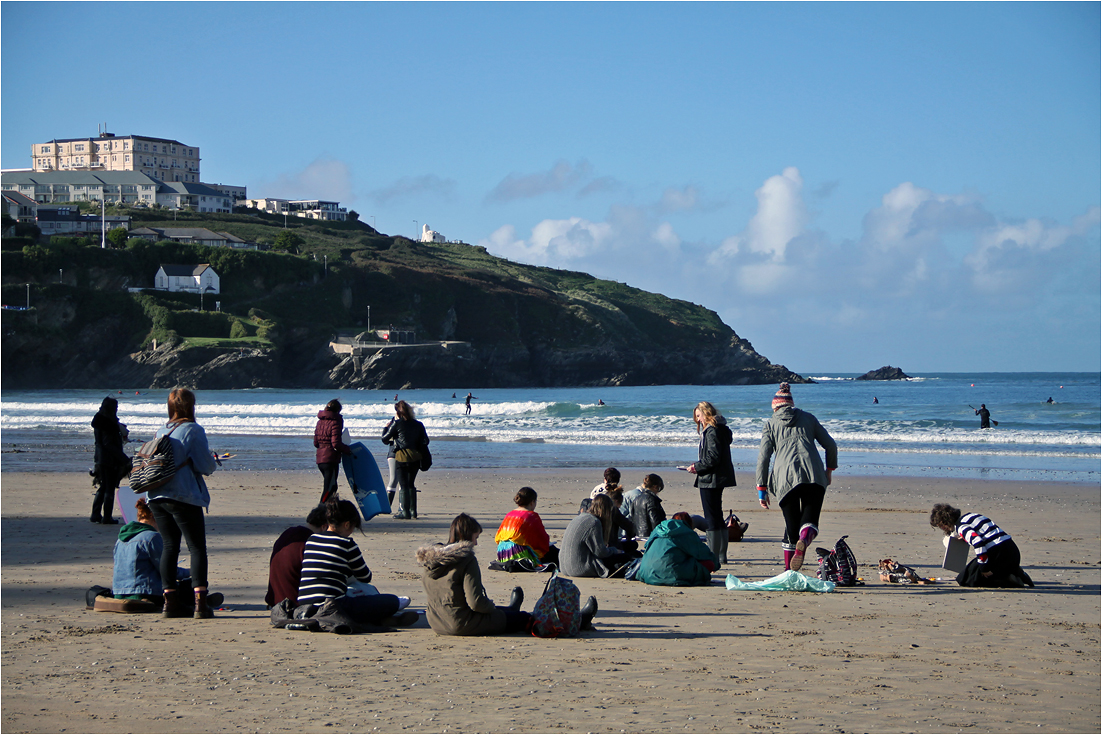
(557, 611)
(838, 565)
(154, 464)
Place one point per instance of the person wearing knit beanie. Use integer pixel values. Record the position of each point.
(799, 478)
(783, 397)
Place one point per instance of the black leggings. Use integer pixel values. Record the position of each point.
(712, 501)
(176, 519)
(329, 473)
(407, 497)
(801, 507)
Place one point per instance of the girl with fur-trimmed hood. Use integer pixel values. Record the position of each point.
(457, 601)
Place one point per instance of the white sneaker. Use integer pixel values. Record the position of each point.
(403, 603)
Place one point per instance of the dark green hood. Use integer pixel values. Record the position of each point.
(132, 529)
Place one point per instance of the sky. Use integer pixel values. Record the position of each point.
(846, 185)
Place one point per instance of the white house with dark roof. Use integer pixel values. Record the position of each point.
(187, 278)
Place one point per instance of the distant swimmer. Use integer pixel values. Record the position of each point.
(875, 399)
(453, 395)
(468, 402)
(1050, 400)
(600, 402)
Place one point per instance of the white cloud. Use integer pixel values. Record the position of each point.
(780, 217)
(553, 241)
(325, 178)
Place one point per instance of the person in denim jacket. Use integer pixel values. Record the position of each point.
(178, 506)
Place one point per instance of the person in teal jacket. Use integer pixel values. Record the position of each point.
(675, 556)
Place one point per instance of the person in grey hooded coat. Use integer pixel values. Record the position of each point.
(798, 479)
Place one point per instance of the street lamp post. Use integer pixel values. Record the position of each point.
(373, 223)
(368, 310)
(415, 230)
(29, 301)
(326, 261)
(103, 223)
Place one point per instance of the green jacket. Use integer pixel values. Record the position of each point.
(674, 557)
(791, 434)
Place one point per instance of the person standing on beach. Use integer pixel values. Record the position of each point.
(409, 437)
(468, 402)
(714, 471)
(799, 479)
(178, 505)
(327, 439)
(111, 464)
(985, 416)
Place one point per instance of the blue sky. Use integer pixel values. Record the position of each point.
(847, 185)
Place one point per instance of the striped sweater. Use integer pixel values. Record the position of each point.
(981, 533)
(327, 562)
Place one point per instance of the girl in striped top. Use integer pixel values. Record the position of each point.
(998, 560)
(331, 557)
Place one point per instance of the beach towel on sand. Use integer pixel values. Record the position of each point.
(788, 581)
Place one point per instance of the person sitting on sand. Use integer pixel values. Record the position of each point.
(585, 550)
(998, 560)
(623, 529)
(457, 600)
(331, 557)
(675, 555)
(646, 511)
(285, 564)
(521, 534)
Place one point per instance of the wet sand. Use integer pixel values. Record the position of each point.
(878, 658)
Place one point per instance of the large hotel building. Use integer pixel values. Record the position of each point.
(158, 158)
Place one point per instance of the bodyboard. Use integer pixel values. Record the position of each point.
(125, 498)
(366, 481)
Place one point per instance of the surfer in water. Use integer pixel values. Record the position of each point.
(985, 416)
(468, 402)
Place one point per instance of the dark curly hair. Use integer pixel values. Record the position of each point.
(944, 515)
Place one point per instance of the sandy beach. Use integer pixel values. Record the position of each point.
(878, 658)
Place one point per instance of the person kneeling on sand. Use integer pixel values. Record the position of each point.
(521, 534)
(285, 565)
(998, 560)
(675, 555)
(457, 601)
(331, 557)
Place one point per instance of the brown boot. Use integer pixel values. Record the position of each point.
(174, 607)
(202, 609)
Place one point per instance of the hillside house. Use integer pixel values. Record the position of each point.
(65, 219)
(187, 278)
(193, 236)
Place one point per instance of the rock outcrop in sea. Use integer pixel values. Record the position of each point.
(885, 373)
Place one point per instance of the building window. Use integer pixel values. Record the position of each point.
(45, 149)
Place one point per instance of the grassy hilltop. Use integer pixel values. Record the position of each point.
(289, 304)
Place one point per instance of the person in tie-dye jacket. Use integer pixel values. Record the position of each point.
(521, 534)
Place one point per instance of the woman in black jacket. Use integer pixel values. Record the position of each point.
(714, 471)
(410, 440)
(111, 464)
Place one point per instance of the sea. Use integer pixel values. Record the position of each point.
(925, 426)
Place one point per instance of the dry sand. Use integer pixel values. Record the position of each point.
(879, 658)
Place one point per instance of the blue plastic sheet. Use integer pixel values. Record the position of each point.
(788, 581)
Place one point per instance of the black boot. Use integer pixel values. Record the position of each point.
(202, 606)
(174, 607)
(516, 599)
(588, 612)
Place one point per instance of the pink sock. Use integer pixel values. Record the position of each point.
(788, 558)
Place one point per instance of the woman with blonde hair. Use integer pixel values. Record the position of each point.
(410, 439)
(178, 506)
(714, 471)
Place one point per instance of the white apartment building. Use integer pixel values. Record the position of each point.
(306, 208)
(158, 158)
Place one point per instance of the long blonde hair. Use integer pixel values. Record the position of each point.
(709, 414)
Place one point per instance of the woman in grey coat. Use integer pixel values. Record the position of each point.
(798, 480)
